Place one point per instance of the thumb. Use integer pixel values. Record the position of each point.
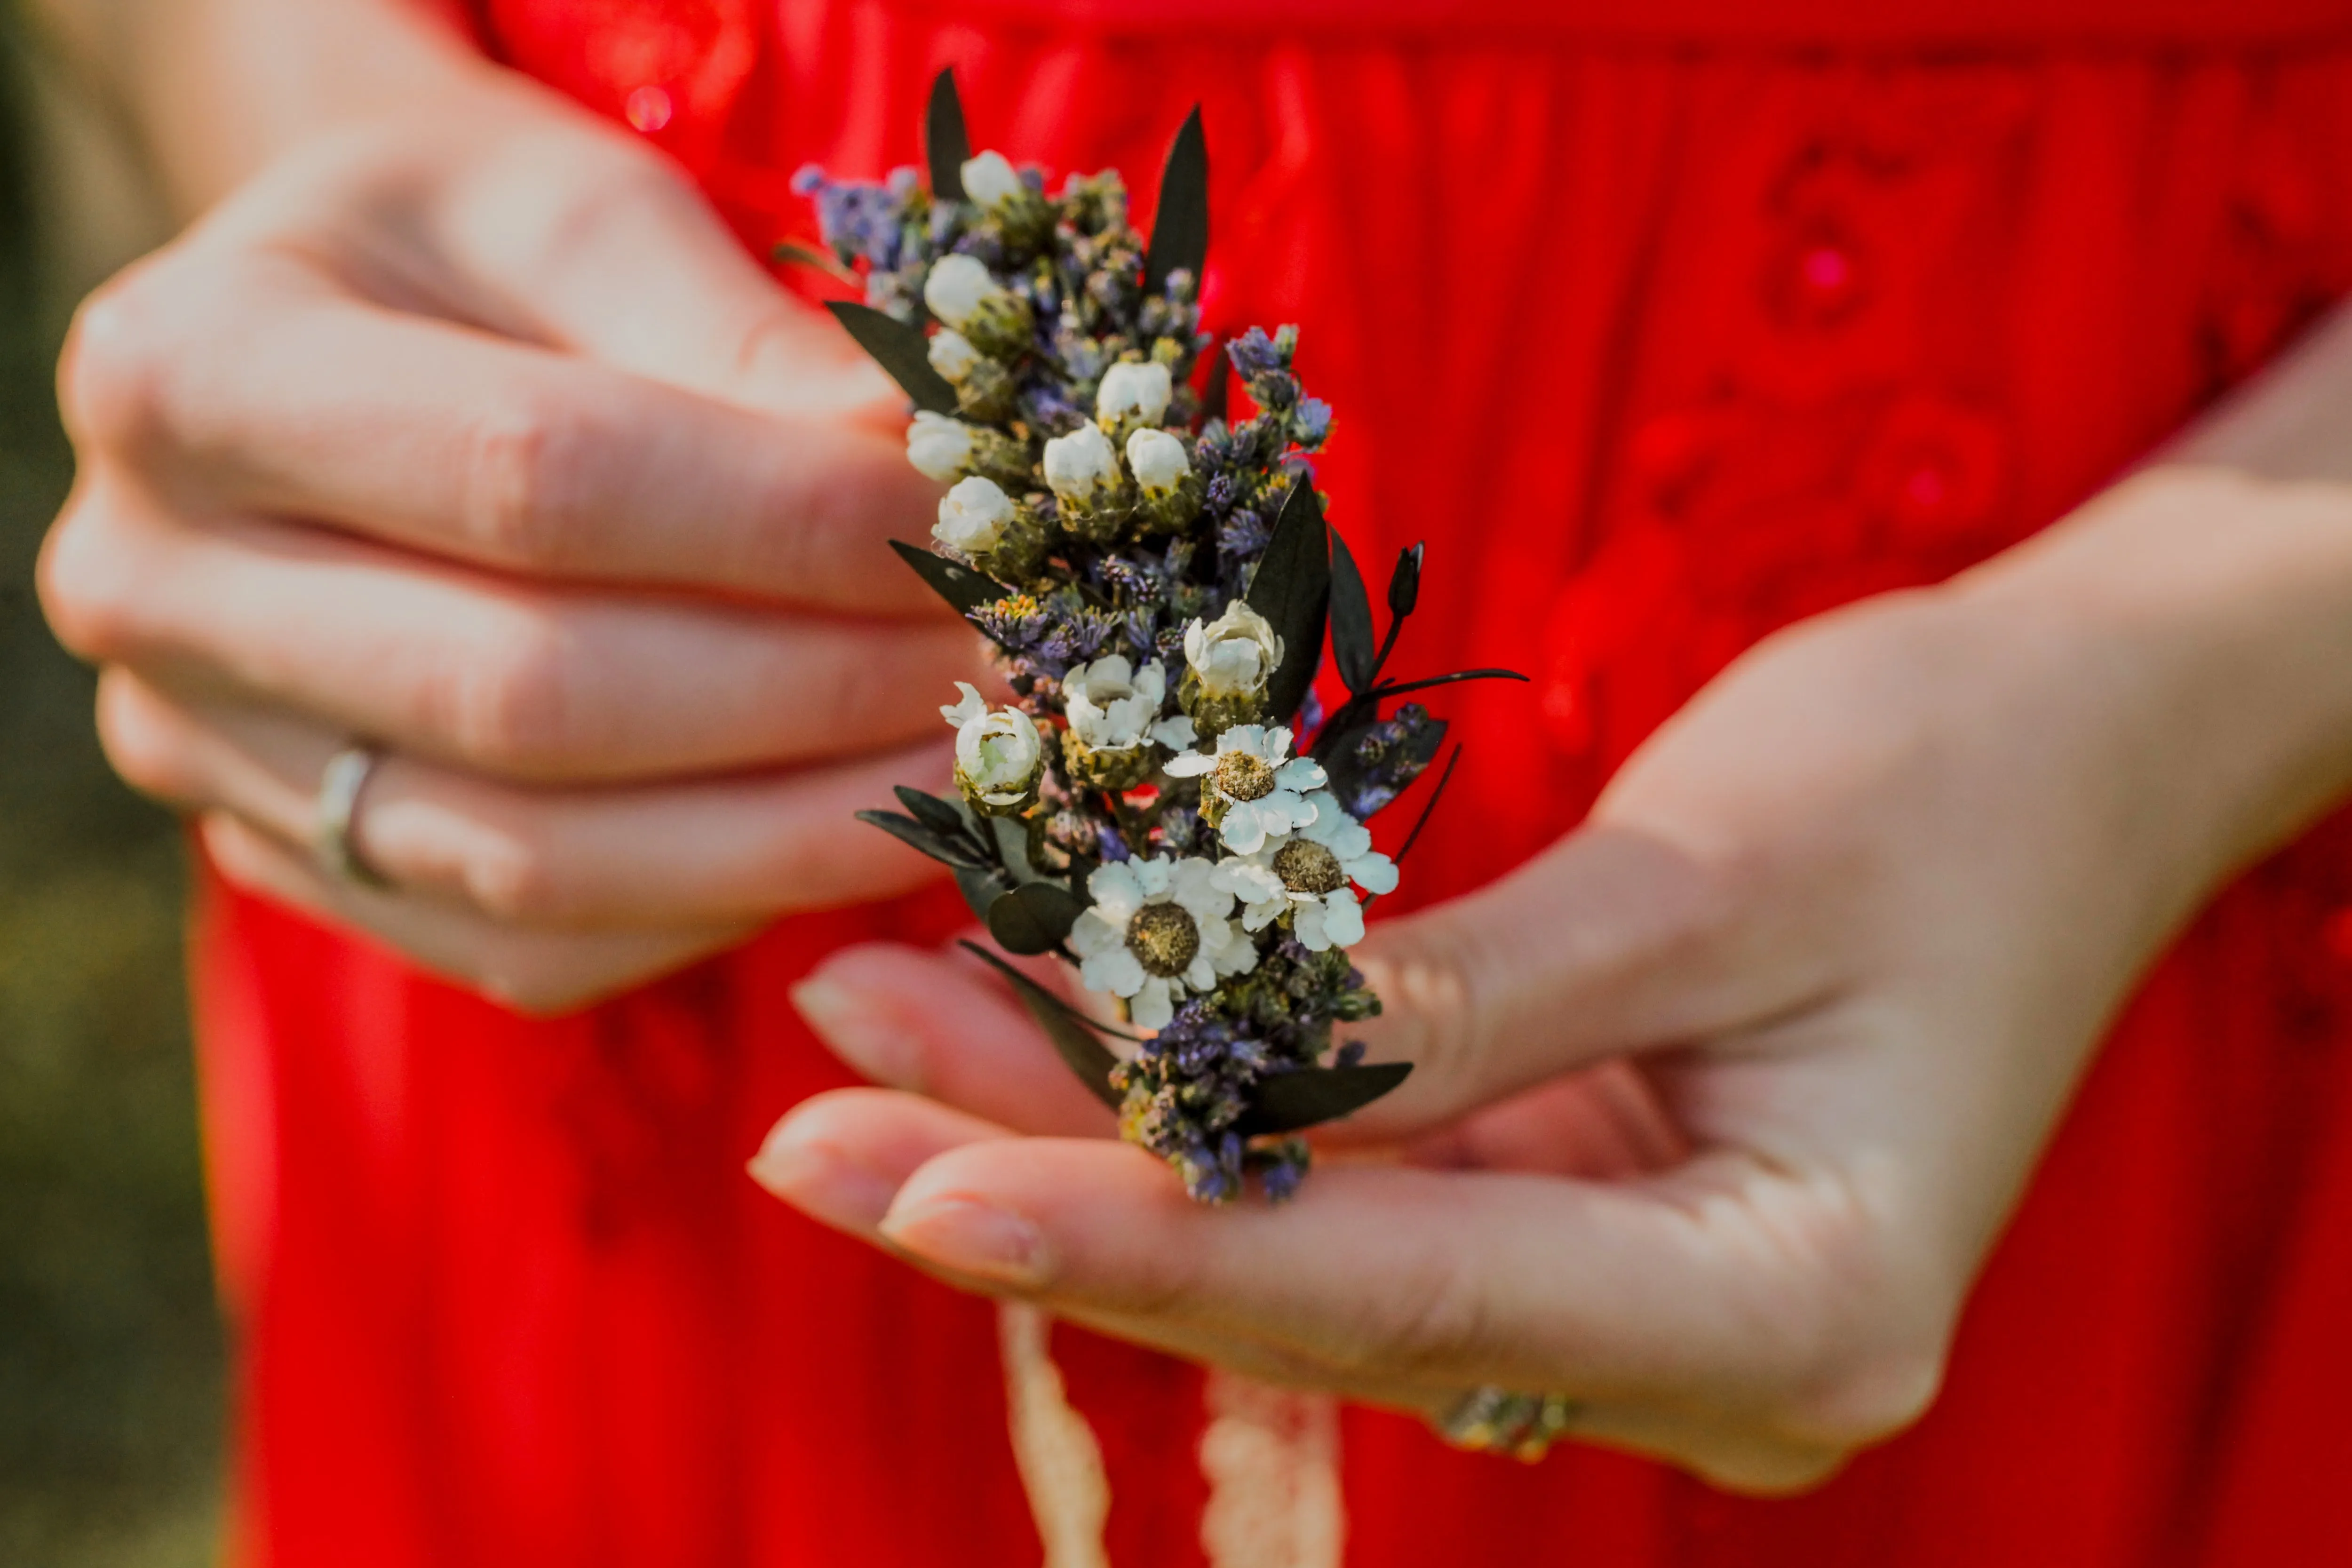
(1613, 941)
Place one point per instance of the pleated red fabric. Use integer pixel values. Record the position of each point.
(1665, 323)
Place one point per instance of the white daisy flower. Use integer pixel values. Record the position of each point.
(1251, 789)
(1156, 930)
(938, 446)
(1306, 876)
(1142, 390)
(999, 755)
(1233, 654)
(972, 516)
(1157, 461)
(1112, 704)
(988, 179)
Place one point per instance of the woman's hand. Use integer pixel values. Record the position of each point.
(1718, 1104)
(468, 430)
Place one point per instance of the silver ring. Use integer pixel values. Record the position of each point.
(1491, 1420)
(337, 812)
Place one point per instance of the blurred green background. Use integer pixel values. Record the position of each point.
(110, 1356)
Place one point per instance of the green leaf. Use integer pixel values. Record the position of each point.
(900, 348)
(1074, 1038)
(1288, 1101)
(946, 817)
(982, 886)
(961, 587)
(946, 143)
(1032, 918)
(918, 836)
(1180, 231)
(1352, 646)
(1291, 589)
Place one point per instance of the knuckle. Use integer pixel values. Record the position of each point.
(516, 875)
(1431, 1325)
(115, 374)
(143, 751)
(88, 580)
(507, 699)
(522, 485)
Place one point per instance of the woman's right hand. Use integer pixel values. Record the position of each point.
(475, 435)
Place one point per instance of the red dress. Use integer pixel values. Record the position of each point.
(1667, 321)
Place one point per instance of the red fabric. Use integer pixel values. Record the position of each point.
(1660, 346)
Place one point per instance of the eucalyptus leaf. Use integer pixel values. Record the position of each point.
(1352, 646)
(961, 587)
(946, 143)
(1290, 1101)
(982, 886)
(1180, 231)
(1291, 588)
(1076, 1041)
(1010, 836)
(918, 836)
(900, 348)
(1032, 918)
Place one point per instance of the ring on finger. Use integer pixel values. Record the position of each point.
(335, 815)
(1491, 1420)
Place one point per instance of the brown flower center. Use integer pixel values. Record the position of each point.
(1241, 776)
(1305, 866)
(1164, 939)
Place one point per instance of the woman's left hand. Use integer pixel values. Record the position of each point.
(1717, 1104)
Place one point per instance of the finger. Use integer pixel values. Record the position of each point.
(1602, 1123)
(848, 1158)
(489, 676)
(942, 1024)
(263, 389)
(534, 972)
(1613, 941)
(704, 852)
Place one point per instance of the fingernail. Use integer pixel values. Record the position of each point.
(973, 1238)
(821, 1178)
(874, 1047)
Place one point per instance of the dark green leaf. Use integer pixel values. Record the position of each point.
(900, 348)
(982, 886)
(1350, 721)
(1404, 583)
(1076, 1041)
(1032, 918)
(955, 852)
(1291, 588)
(800, 252)
(946, 143)
(946, 817)
(1399, 688)
(1289, 1102)
(1428, 807)
(1180, 231)
(962, 586)
(1012, 837)
(1352, 647)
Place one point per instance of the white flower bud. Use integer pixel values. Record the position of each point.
(1077, 463)
(972, 516)
(951, 354)
(989, 179)
(938, 446)
(958, 288)
(1233, 654)
(999, 754)
(1112, 704)
(1142, 390)
(1157, 460)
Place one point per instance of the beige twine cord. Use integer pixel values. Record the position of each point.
(1270, 1456)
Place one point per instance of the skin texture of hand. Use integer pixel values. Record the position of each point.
(472, 432)
(1719, 1103)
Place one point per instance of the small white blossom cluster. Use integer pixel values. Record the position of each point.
(1137, 796)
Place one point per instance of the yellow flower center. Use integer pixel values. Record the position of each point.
(1164, 938)
(1307, 867)
(1241, 776)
